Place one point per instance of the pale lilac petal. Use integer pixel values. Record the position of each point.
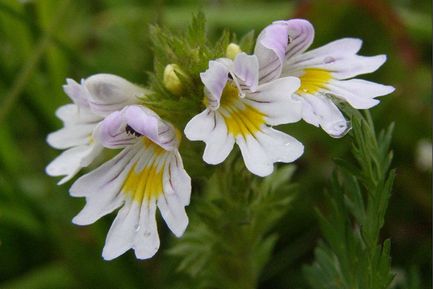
(270, 50)
(78, 94)
(246, 69)
(147, 123)
(112, 132)
(109, 93)
(327, 54)
(300, 36)
(214, 79)
(122, 128)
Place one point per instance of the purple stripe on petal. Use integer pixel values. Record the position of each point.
(300, 36)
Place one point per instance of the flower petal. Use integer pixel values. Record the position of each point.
(300, 36)
(261, 151)
(338, 57)
(72, 160)
(328, 53)
(359, 93)
(270, 50)
(102, 187)
(246, 69)
(108, 93)
(78, 94)
(71, 136)
(214, 79)
(200, 126)
(177, 181)
(149, 124)
(274, 99)
(171, 203)
(320, 110)
(210, 127)
(122, 128)
(134, 227)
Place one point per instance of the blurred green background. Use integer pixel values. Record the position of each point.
(42, 42)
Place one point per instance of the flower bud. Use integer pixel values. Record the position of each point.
(232, 50)
(171, 80)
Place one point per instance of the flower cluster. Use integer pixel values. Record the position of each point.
(244, 96)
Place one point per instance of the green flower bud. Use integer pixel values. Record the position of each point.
(232, 50)
(171, 80)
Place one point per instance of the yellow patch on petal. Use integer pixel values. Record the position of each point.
(147, 183)
(241, 119)
(313, 80)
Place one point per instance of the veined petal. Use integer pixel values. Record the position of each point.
(338, 58)
(178, 181)
(320, 110)
(246, 68)
(326, 54)
(72, 160)
(359, 93)
(268, 146)
(102, 186)
(270, 49)
(214, 79)
(108, 93)
(275, 101)
(140, 176)
(121, 128)
(355, 65)
(112, 132)
(300, 36)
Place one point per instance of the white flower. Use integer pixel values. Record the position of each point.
(94, 98)
(324, 72)
(240, 108)
(148, 173)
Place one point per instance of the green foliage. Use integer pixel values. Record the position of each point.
(350, 256)
(191, 51)
(229, 239)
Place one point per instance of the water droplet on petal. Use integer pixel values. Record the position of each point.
(338, 128)
(329, 59)
(137, 228)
